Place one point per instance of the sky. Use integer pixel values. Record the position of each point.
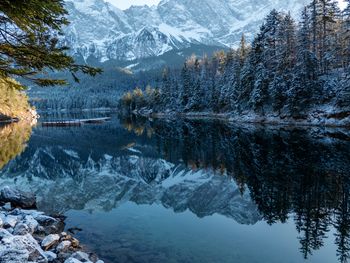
(124, 4)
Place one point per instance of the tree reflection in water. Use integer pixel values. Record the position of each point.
(13, 140)
(299, 173)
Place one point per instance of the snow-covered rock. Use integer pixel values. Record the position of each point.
(100, 30)
(21, 229)
(50, 241)
(19, 249)
(21, 244)
(31, 223)
(49, 224)
(10, 221)
(64, 245)
(50, 256)
(72, 260)
(82, 256)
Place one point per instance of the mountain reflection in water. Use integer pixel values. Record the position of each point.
(247, 173)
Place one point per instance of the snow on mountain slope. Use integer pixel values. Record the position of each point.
(100, 30)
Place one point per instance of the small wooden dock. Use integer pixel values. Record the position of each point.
(71, 123)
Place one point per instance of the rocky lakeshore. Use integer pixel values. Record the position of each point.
(28, 235)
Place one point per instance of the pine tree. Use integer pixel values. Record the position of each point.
(186, 86)
(166, 88)
(29, 43)
(247, 78)
(306, 70)
(346, 34)
(243, 50)
(286, 47)
(266, 61)
(330, 16)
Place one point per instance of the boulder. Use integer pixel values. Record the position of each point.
(72, 260)
(63, 246)
(17, 198)
(50, 256)
(50, 225)
(31, 223)
(75, 242)
(7, 206)
(82, 256)
(50, 241)
(4, 233)
(19, 249)
(13, 255)
(9, 221)
(22, 229)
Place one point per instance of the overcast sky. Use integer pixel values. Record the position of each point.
(124, 4)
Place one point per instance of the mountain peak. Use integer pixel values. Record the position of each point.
(100, 30)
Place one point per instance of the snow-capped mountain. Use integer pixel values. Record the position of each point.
(102, 31)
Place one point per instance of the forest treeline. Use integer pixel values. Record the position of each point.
(290, 70)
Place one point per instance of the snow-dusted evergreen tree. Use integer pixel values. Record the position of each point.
(289, 71)
(186, 86)
(266, 63)
(344, 98)
(194, 103)
(166, 87)
(346, 34)
(205, 82)
(225, 83)
(247, 79)
(235, 69)
(286, 48)
(330, 27)
(306, 70)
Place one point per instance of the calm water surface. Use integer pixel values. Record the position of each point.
(189, 191)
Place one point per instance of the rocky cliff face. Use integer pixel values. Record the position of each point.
(104, 32)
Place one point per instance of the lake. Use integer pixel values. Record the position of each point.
(140, 190)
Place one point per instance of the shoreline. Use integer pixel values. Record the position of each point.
(310, 121)
(28, 235)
